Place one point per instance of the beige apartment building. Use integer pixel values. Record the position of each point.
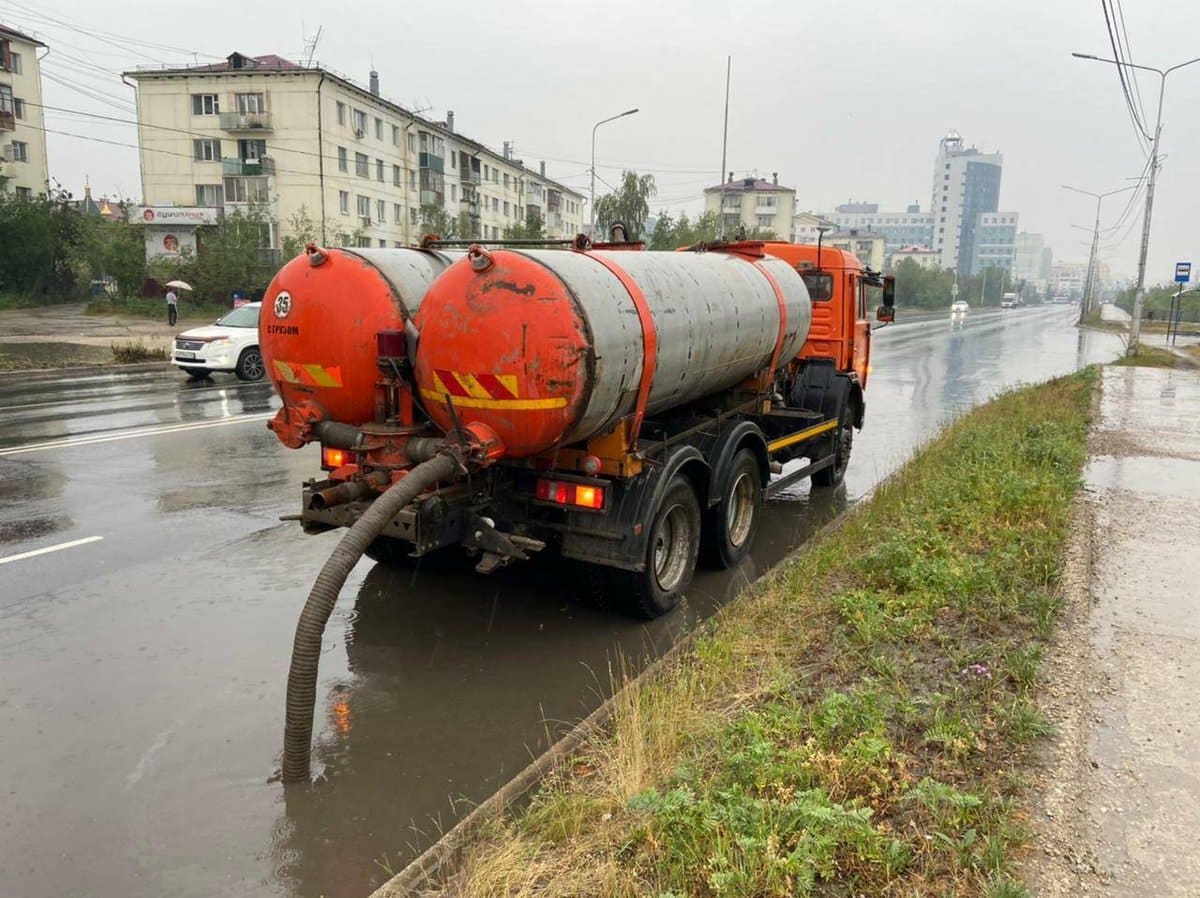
(301, 140)
(864, 244)
(753, 203)
(24, 168)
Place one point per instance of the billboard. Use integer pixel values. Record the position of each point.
(173, 216)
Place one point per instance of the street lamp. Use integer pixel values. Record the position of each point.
(592, 202)
(1139, 298)
(1089, 283)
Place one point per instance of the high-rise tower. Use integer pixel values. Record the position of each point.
(966, 184)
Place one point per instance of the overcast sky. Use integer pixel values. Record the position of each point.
(845, 101)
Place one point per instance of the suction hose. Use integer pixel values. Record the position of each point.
(310, 630)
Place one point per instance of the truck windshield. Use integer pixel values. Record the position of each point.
(819, 284)
(246, 316)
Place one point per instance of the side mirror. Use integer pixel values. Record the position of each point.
(889, 292)
(886, 314)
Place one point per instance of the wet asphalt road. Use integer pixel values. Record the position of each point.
(142, 667)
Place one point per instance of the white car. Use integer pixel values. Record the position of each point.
(230, 345)
(959, 307)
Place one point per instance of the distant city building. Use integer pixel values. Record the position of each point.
(1031, 261)
(898, 229)
(966, 184)
(295, 139)
(1067, 278)
(994, 241)
(806, 227)
(922, 255)
(753, 203)
(864, 244)
(24, 167)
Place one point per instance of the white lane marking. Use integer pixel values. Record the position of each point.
(67, 442)
(72, 544)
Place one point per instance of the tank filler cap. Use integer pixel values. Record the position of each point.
(316, 255)
(481, 259)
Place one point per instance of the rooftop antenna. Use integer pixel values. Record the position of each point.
(310, 46)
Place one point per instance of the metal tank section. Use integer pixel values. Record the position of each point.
(548, 347)
(320, 316)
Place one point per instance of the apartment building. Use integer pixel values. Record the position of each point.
(898, 229)
(302, 141)
(868, 247)
(24, 167)
(753, 204)
(1032, 260)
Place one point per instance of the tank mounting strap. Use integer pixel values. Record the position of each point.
(649, 343)
(783, 319)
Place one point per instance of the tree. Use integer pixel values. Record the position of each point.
(629, 204)
(435, 220)
(302, 231)
(533, 228)
(109, 251)
(671, 233)
(37, 236)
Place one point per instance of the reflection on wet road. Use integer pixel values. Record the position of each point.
(142, 674)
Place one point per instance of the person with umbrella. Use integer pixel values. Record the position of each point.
(173, 300)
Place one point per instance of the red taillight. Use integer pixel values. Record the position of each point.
(582, 495)
(333, 458)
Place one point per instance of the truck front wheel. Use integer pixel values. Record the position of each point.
(843, 442)
(729, 526)
(671, 551)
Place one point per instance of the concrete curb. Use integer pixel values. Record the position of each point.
(447, 851)
(31, 374)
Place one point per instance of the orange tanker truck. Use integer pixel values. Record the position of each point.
(628, 409)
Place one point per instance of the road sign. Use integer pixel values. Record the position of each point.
(1183, 272)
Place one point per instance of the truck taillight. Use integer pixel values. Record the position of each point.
(332, 459)
(581, 495)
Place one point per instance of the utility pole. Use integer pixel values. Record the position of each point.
(1139, 298)
(724, 144)
(1089, 288)
(592, 201)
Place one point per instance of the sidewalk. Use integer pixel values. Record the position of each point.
(1122, 790)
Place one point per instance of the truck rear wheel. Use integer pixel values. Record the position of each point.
(843, 443)
(729, 526)
(671, 551)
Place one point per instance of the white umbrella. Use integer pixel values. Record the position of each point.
(182, 285)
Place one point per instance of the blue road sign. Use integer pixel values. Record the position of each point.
(1183, 272)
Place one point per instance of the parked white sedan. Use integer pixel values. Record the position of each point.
(230, 345)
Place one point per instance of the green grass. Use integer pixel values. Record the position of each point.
(136, 351)
(154, 308)
(1152, 357)
(856, 724)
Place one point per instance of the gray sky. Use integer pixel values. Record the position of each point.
(845, 101)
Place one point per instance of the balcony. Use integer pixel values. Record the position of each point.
(432, 162)
(248, 167)
(553, 220)
(8, 121)
(245, 121)
(765, 210)
(469, 176)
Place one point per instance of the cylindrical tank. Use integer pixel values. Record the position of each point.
(547, 347)
(318, 322)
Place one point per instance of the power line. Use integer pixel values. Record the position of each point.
(104, 36)
(1133, 75)
(1129, 103)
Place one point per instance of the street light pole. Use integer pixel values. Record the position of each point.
(592, 201)
(1089, 288)
(1139, 298)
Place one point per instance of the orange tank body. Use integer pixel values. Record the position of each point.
(318, 323)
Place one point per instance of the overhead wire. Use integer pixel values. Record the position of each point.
(1130, 106)
(106, 37)
(1133, 75)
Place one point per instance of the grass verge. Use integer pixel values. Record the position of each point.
(137, 351)
(858, 722)
(1152, 357)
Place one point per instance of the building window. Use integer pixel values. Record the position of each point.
(341, 112)
(362, 165)
(250, 103)
(205, 104)
(20, 151)
(395, 135)
(412, 216)
(454, 193)
(397, 213)
(379, 170)
(18, 107)
(381, 211)
(364, 208)
(495, 203)
(364, 242)
(209, 194)
(506, 180)
(206, 150)
(412, 143)
(343, 159)
(246, 190)
(485, 171)
(252, 150)
(379, 129)
(25, 193)
(412, 179)
(14, 63)
(396, 176)
(454, 159)
(344, 202)
(6, 99)
(360, 122)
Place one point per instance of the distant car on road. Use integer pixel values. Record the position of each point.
(959, 307)
(229, 346)
(1008, 303)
